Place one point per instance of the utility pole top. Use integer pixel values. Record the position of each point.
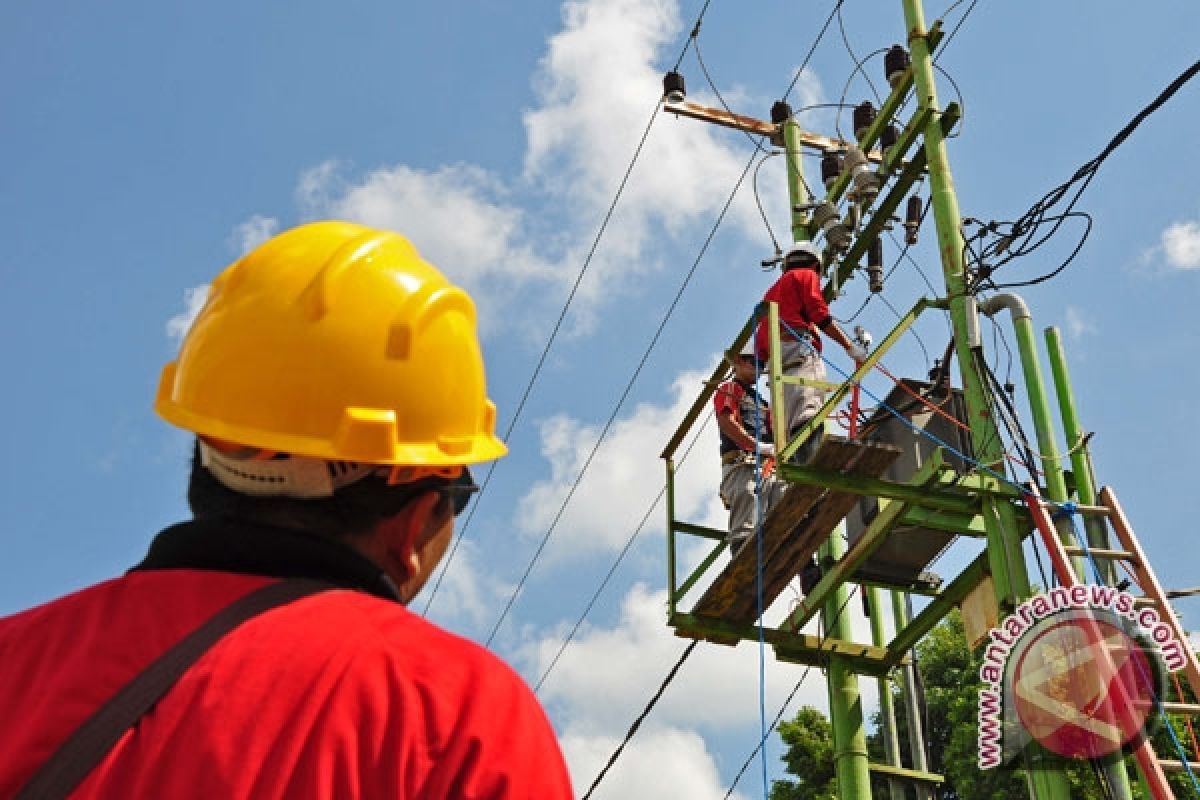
(751, 125)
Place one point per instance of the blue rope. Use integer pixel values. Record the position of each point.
(760, 480)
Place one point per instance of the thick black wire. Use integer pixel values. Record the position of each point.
(620, 557)
(754, 140)
(624, 396)
(1019, 238)
(637, 723)
(858, 67)
(562, 315)
(857, 63)
(758, 202)
(787, 701)
(813, 49)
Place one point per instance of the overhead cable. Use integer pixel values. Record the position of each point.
(637, 723)
(562, 316)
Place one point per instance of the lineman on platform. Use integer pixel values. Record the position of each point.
(802, 312)
(336, 389)
(746, 450)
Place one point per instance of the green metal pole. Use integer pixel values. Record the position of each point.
(672, 577)
(887, 711)
(1081, 459)
(912, 705)
(1085, 490)
(1039, 406)
(1007, 559)
(798, 194)
(850, 762)
(1005, 556)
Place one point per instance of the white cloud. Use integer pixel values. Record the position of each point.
(253, 232)
(193, 300)
(665, 764)
(468, 595)
(596, 87)
(604, 679)
(1079, 324)
(626, 466)
(1181, 245)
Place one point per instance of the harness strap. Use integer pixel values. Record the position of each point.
(87, 746)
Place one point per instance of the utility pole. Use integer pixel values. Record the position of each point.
(1005, 557)
(845, 701)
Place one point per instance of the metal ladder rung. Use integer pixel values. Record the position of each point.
(1145, 602)
(1177, 766)
(1101, 552)
(1180, 708)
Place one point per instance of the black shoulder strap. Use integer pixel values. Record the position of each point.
(92, 741)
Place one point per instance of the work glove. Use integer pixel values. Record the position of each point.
(766, 450)
(857, 353)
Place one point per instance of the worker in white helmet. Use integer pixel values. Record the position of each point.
(803, 315)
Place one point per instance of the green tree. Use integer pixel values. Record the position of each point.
(809, 756)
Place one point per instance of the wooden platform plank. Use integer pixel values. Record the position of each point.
(792, 531)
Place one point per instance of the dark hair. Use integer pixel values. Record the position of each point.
(353, 510)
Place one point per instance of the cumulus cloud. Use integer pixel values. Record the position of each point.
(253, 232)
(1181, 245)
(627, 465)
(181, 323)
(604, 679)
(1079, 324)
(595, 90)
(667, 764)
(468, 595)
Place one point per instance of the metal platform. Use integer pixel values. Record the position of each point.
(792, 532)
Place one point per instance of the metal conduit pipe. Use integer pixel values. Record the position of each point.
(1013, 302)
(1056, 485)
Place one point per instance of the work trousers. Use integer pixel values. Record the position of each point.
(801, 403)
(737, 490)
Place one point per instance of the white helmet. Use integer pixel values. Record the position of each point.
(803, 247)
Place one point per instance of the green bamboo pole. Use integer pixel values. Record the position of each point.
(1005, 556)
(912, 706)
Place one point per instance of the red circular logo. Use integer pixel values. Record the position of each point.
(1083, 687)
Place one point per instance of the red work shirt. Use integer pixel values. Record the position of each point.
(337, 695)
(802, 307)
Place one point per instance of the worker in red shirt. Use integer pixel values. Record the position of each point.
(335, 386)
(749, 487)
(802, 312)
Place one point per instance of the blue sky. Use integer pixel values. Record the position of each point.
(145, 145)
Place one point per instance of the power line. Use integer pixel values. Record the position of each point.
(813, 49)
(620, 557)
(637, 723)
(542, 358)
(1022, 237)
(624, 396)
(562, 316)
(783, 708)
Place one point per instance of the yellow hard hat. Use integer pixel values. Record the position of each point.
(339, 342)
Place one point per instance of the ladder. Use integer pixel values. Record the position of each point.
(1130, 552)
